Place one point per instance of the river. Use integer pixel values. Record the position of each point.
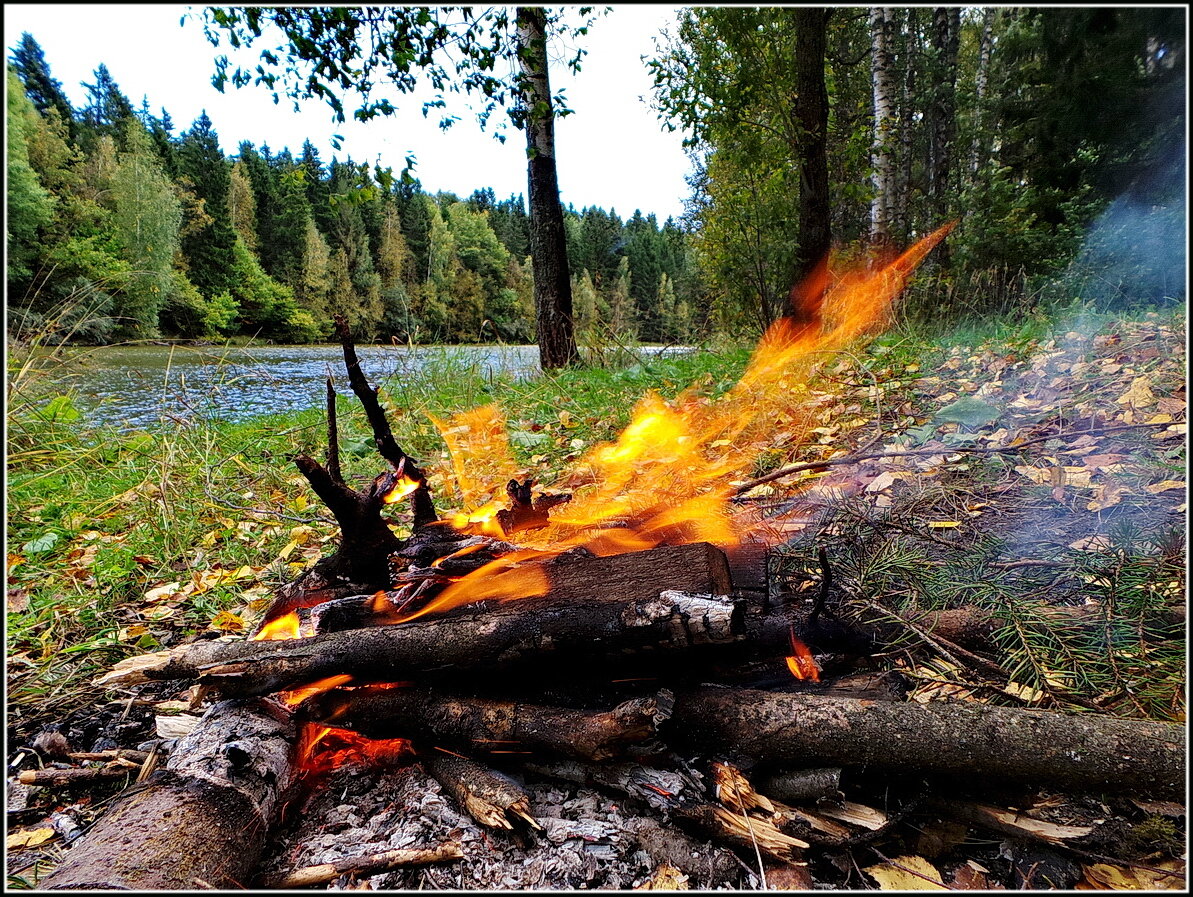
(141, 386)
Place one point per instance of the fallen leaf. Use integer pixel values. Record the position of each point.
(789, 877)
(17, 601)
(1023, 692)
(1164, 486)
(971, 876)
(1139, 395)
(665, 878)
(1106, 495)
(226, 621)
(1091, 543)
(161, 593)
(907, 874)
(29, 837)
(1105, 877)
(968, 412)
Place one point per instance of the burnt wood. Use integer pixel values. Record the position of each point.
(488, 726)
(511, 635)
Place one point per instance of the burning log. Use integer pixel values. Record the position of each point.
(199, 822)
(489, 797)
(498, 639)
(977, 741)
(475, 724)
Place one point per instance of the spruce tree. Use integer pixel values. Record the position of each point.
(42, 88)
(208, 249)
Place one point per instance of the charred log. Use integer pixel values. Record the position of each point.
(974, 741)
(474, 724)
(491, 798)
(494, 640)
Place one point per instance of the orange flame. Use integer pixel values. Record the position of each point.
(296, 696)
(323, 749)
(801, 662)
(403, 487)
(284, 627)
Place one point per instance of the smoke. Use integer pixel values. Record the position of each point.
(1135, 252)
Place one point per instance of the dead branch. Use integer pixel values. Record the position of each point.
(363, 867)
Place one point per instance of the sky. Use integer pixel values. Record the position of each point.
(612, 153)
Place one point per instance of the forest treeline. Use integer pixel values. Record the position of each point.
(121, 227)
(1055, 137)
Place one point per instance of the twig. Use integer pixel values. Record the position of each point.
(373, 864)
(333, 435)
(943, 450)
(943, 646)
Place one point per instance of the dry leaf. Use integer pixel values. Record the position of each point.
(1164, 486)
(665, 878)
(789, 877)
(1139, 395)
(1091, 543)
(29, 837)
(1106, 495)
(971, 876)
(1105, 877)
(907, 874)
(17, 600)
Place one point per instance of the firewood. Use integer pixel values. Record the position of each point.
(489, 797)
(58, 778)
(199, 822)
(978, 742)
(800, 785)
(476, 724)
(489, 640)
(362, 867)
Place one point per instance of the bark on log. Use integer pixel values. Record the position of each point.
(491, 640)
(201, 821)
(475, 724)
(976, 741)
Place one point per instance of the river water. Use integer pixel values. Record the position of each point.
(141, 386)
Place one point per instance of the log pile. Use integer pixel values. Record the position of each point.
(644, 682)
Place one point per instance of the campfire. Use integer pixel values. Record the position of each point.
(617, 631)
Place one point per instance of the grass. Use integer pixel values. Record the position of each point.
(99, 518)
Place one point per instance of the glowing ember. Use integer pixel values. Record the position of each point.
(801, 662)
(323, 749)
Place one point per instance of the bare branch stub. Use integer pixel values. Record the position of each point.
(387, 446)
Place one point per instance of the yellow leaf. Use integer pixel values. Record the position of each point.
(1139, 395)
(1164, 486)
(29, 837)
(943, 524)
(1159, 419)
(907, 874)
(1105, 877)
(566, 420)
(226, 621)
(1023, 692)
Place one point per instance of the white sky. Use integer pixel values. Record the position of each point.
(612, 152)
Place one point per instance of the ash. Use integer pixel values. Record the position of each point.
(587, 840)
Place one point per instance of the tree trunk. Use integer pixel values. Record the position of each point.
(548, 244)
(970, 742)
(981, 77)
(881, 150)
(946, 36)
(201, 822)
(811, 152)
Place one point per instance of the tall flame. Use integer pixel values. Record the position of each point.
(668, 477)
